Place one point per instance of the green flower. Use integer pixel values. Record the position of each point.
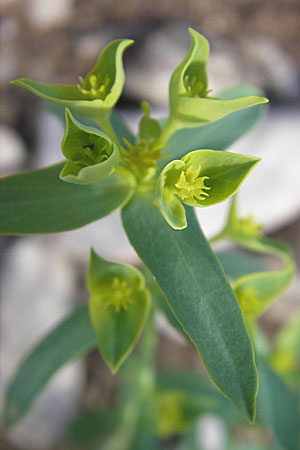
(90, 153)
(119, 306)
(97, 93)
(190, 104)
(200, 178)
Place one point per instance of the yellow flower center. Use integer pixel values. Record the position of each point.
(94, 86)
(119, 295)
(249, 227)
(94, 151)
(191, 187)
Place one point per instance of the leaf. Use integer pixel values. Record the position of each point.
(120, 127)
(91, 426)
(100, 89)
(91, 155)
(236, 263)
(200, 297)
(119, 306)
(279, 408)
(218, 135)
(39, 202)
(69, 339)
(200, 178)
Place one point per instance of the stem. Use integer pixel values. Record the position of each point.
(106, 126)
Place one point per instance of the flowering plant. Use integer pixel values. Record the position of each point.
(156, 178)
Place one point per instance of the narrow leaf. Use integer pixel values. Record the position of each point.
(279, 408)
(200, 297)
(39, 202)
(70, 339)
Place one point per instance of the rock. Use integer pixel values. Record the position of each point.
(13, 151)
(37, 293)
(46, 15)
(267, 65)
(149, 73)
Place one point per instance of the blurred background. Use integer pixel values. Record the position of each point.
(252, 42)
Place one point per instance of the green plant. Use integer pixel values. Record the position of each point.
(156, 177)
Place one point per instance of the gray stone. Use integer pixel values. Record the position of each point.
(38, 288)
(12, 150)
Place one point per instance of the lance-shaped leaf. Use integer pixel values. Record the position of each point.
(256, 291)
(278, 408)
(70, 339)
(200, 178)
(119, 305)
(39, 202)
(99, 90)
(91, 155)
(199, 295)
(190, 105)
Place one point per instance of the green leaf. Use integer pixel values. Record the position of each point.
(236, 263)
(39, 202)
(119, 305)
(221, 134)
(70, 339)
(200, 297)
(100, 89)
(279, 408)
(91, 426)
(91, 155)
(159, 299)
(200, 178)
(120, 127)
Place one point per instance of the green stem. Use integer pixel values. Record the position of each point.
(106, 126)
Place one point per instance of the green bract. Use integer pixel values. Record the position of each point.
(149, 128)
(99, 90)
(190, 106)
(91, 155)
(256, 291)
(200, 178)
(119, 306)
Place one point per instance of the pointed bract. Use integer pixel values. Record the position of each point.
(98, 92)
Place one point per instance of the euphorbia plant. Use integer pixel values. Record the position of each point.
(156, 178)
